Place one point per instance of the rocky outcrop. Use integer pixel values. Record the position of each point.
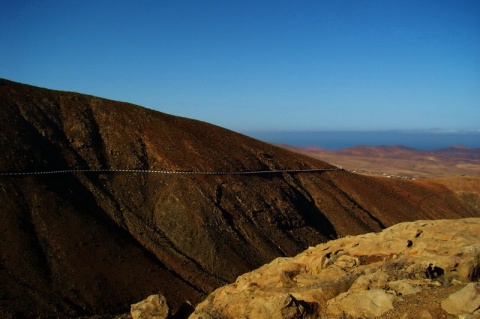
(418, 269)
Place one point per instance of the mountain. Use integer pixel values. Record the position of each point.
(398, 160)
(92, 241)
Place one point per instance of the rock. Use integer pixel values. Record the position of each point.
(464, 301)
(346, 261)
(414, 314)
(358, 276)
(367, 303)
(376, 280)
(278, 306)
(154, 307)
(470, 270)
(403, 287)
(200, 315)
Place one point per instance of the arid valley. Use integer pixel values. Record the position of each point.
(456, 167)
(399, 161)
(106, 203)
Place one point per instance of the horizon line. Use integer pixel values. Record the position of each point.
(433, 131)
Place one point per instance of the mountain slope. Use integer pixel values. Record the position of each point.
(87, 243)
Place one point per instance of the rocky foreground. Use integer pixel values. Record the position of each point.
(377, 274)
(422, 269)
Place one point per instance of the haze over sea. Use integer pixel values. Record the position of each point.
(334, 140)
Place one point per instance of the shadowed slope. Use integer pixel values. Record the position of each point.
(92, 243)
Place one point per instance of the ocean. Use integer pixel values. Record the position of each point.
(334, 140)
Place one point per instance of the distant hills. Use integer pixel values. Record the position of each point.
(401, 161)
(92, 243)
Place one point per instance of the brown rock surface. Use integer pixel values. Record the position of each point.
(408, 268)
(84, 243)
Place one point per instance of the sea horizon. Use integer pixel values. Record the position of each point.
(335, 140)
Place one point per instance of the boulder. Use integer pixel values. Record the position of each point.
(418, 314)
(403, 287)
(154, 307)
(357, 304)
(464, 301)
(376, 280)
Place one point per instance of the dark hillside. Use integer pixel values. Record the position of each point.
(77, 244)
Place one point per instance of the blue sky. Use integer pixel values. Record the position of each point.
(259, 65)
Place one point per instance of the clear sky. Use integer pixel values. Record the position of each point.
(258, 65)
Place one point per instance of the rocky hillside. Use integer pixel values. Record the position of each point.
(84, 243)
(423, 269)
